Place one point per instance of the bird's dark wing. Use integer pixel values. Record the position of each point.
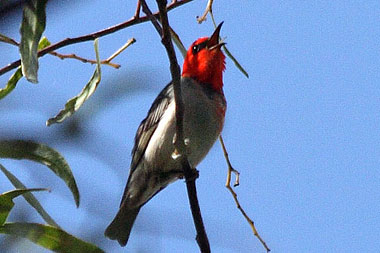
(149, 124)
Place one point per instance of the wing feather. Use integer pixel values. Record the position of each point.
(149, 124)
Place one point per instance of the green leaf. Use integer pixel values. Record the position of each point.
(76, 102)
(44, 42)
(18, 149)
(49, 237)
(29, 197)
(11, 83)
(32, 26)
(6, 201)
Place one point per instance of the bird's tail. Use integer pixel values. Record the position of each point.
(121, 226)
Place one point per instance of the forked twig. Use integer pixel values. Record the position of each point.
(234, 195)
(84, 60)
(208, 9)
(230, 168)
(93, 36)
(76, 57)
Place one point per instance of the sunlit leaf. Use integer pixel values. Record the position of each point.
(32, 27)
(76, 102)
(44, 42)
(11, 83)
(29, 197)
(43, 154)
(6, 201)
(49, 237)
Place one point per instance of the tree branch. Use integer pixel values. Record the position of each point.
(234, 195)
(180, 147)
(92, 36)
(208, 9)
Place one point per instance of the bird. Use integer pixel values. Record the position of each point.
(154, 165)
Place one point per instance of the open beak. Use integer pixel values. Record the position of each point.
(213, 41)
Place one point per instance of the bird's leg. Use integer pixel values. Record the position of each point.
(194, 174)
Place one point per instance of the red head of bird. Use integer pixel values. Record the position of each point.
(205, 62)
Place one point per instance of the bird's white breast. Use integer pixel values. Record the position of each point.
(203, 123)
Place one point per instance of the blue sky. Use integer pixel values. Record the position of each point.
(303, 130)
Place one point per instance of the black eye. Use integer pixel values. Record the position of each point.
(199, 47)
(196, 49)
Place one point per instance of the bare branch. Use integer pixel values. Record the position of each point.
(8, 40)
(84, 60)
(208, 9)
(74, 56)
(138, 8)
(92, 36)
(180, 148)
(152, 18)
(234, 195)
(127, 44)
(230, 168)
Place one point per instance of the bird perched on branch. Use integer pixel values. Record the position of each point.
(154, 164)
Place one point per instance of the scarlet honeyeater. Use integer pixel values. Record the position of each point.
(153, 165)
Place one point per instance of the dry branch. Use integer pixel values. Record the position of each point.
(180, 148)
(92, 36)
(234, 195)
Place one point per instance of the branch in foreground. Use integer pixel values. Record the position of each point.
(180, 148)
(76, 57)
(84, 60)
(92, 36)
(234, 195)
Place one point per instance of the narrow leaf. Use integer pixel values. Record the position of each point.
(32, 26)
(237, 64)
(76, 102)
(49, 237)
(6, 201)
(228, 53)
(29, 197)
(41, 153)
(178, 42)
(11, 83)
(44, 42)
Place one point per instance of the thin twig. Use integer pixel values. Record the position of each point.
(74, 56)
(84, 60)
(230, 168)
(127, 44)
(62, 56)
(8, 40)
(152, 18)
(92, 36)
(138, 8)
(208, 9)
(180, 148)
(234, 195)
